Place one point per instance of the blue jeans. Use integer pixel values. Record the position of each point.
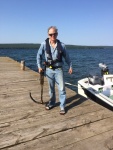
(56, 76)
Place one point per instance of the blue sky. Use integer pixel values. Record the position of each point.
(79, 22)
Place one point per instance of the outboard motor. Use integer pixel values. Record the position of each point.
(104, 69)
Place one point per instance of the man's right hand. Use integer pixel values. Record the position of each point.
(40, 70)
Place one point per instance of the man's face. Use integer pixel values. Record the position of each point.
(52, 34)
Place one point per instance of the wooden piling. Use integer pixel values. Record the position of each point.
(22, 65)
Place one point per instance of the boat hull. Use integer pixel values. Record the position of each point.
(95, 92)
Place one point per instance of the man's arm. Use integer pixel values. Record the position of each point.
(67, 59)
(39, 57)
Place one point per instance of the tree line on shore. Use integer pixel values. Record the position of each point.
(36, 46)
(19, 46)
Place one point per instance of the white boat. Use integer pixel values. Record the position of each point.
(99, 89)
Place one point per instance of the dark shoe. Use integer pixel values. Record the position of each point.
(48, 107)
(62, 111)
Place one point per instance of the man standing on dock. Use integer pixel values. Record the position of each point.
(54, 51)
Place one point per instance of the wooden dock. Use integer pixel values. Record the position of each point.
(25, 125)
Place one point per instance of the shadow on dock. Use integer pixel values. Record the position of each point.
(74, 101)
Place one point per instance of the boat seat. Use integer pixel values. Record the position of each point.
(94, 80)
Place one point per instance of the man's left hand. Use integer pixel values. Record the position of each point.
(70, 71)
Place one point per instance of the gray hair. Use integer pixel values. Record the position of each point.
(54, 27)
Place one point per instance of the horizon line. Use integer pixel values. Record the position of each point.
(65, 44)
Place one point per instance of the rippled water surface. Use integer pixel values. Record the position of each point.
(85, 61)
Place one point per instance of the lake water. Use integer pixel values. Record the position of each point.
(85, 61)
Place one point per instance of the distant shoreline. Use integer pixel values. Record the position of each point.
(36, 46)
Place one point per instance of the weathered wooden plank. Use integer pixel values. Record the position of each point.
(62, 139)
(17, 76)
(46, 116)
(92, 124)
(19, 107)
(102, 141)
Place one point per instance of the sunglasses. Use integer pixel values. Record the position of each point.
(53, 34)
